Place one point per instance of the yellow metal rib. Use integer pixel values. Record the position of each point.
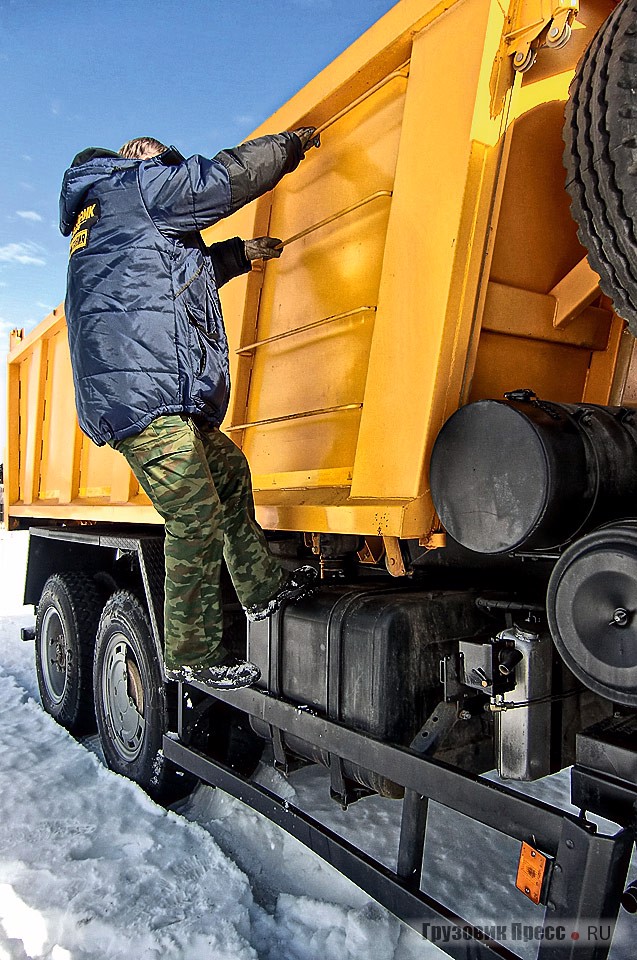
(303, 479)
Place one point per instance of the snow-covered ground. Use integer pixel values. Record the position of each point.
(90, 868)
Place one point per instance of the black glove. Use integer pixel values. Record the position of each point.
(263, 248)
(308, 138)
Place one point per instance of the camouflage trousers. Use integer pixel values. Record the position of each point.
(199, 482)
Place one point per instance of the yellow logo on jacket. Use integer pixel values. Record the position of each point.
(86, 218)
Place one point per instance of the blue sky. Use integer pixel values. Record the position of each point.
(75, 73)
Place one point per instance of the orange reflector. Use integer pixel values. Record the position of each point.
(531, 870)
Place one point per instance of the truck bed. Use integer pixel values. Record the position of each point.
(430, 260)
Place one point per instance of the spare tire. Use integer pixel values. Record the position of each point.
(600, 134)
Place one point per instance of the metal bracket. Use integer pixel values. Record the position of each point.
(574, 293)
(434, 540)
(537, 23)
(394, 559)
(343, 790)
(372, 550)
(415, 805)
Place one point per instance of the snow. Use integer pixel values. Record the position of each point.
(91, 868)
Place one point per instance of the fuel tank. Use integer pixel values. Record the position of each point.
(369, 658)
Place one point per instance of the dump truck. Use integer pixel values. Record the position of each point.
(436, 389)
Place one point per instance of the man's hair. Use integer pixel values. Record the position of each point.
(142, 147)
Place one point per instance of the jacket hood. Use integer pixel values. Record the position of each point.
(91, 153)
(87, 168)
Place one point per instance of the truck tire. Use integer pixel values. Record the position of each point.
(65, 628)
(130, 700)
(600, 156)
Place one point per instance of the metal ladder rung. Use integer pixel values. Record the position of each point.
(335, 216)
(294, 416)
(251, 347)
(402, 71)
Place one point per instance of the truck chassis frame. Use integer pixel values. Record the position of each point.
(586, 871)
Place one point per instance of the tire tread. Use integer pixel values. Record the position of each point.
(596, 115)
(85, 604)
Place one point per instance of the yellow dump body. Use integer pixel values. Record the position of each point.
(432, 261)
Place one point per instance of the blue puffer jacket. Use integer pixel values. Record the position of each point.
(144, 320)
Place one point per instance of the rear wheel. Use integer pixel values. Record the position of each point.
(130, 699)
(601, 156)
(68, 614)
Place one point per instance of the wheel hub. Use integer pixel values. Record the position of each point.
(124, 698)
(55, 655)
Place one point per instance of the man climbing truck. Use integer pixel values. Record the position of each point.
(141, 285)
(437, 402)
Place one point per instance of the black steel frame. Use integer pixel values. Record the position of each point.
(416, 909)
(588, 870)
